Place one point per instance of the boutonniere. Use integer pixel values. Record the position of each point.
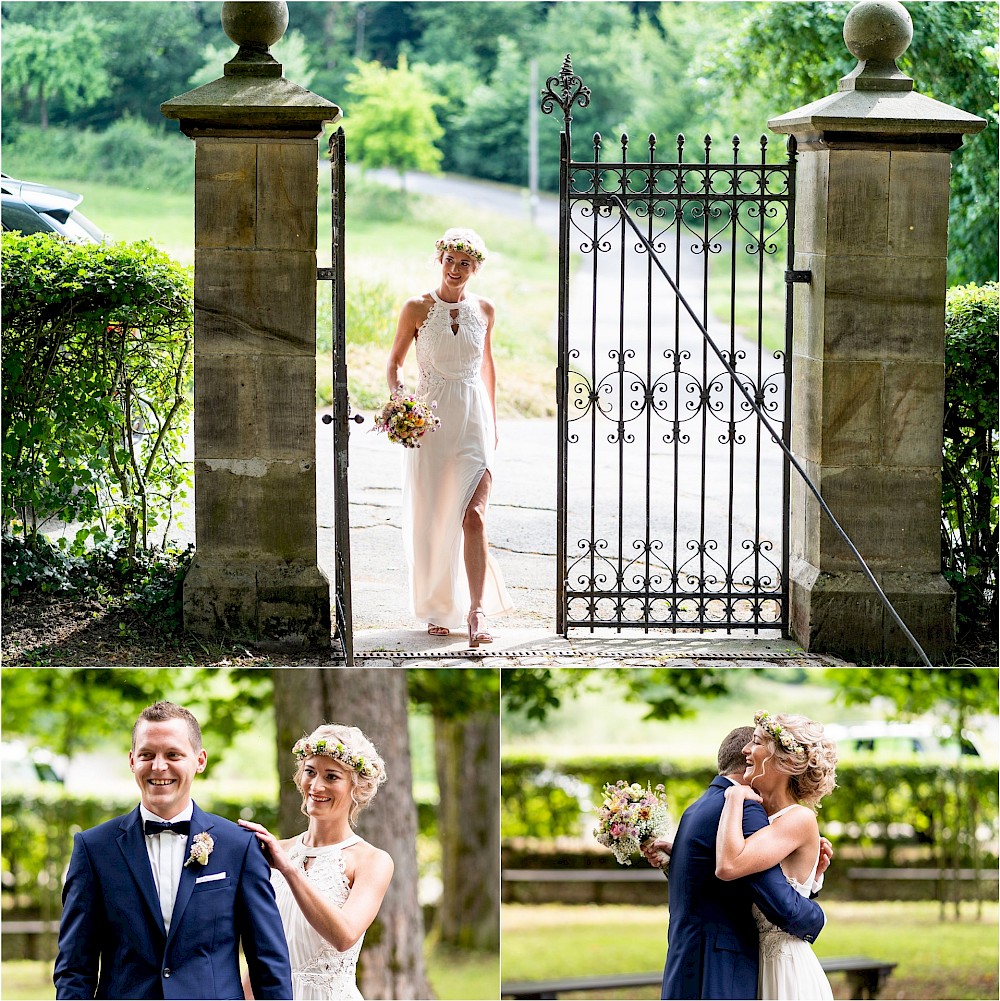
(201, 848)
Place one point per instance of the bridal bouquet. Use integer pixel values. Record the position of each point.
(406, 419)
(629, 816)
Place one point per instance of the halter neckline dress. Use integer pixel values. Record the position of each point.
(440, 477)
(789, 969)
(319, 971)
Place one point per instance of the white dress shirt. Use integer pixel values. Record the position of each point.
(166, 859)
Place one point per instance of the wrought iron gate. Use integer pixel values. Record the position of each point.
(672, 498)
(341, 417)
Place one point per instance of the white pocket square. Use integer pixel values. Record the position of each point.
(212, 878)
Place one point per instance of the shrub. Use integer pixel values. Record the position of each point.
(873, 805)
(97, 366)
(969, 481)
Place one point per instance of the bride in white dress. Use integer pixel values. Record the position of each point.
(454, 581)
(791, 766)
(329, 883)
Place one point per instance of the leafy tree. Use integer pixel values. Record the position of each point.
(464, 705)
(788, 54)
(45, 63)
(954, 694)
(73, 709)
(393, 123)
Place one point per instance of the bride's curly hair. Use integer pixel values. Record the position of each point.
(813, 767)
(357, 748)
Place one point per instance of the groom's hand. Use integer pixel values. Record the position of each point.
(825, 856)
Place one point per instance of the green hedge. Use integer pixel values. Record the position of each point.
(874, 806)
(96, 396)
(970, 476)
(38, 828)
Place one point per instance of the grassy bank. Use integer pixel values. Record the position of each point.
(935, 959)
(389, 255)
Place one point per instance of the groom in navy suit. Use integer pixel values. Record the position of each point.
(712, 941)
(157, 903)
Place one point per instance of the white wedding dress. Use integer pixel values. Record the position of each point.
(440, 477)
(319, 971)
(789, 969)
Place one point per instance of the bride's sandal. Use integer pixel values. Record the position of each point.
(477, 635)
(434, 630)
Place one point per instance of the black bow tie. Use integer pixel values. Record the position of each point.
(159, 826)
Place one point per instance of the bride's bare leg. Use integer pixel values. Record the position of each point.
(474, 527)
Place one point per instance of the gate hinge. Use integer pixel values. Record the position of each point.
(805, 277)
(329, 274)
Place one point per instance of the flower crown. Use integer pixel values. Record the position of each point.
(778, 732)
(461, 247)
(303, 749)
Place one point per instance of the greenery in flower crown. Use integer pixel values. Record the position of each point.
(460, 246)
(303, 749)
(764, 720)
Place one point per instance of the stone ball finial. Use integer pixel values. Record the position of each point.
(255, 25)
(878, 30)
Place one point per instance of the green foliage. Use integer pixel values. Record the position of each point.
(784, 55)
(872, 805)
(129, 149)
(393, 123)
(969, 547)
(97, 365)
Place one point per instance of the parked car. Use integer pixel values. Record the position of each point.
(24, 767)
(892, 740)
(38, 208)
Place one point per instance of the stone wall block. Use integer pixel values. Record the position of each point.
(811, 180)
(852, 413)
(256, 302)
(918, 203)
(808, 307)
(255, 510)
(876, 309)
(890, 514)
(858, 185)
(225, 206)
(251, 406)
(807, 405)
(913, 398)
(286, 219)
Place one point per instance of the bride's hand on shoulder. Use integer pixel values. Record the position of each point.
(273, 849)
(741, 793)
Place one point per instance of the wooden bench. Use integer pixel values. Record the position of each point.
(865, 979)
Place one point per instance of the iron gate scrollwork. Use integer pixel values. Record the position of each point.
(672, 498)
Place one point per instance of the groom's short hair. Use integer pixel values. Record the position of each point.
(159, 712)
(731, 750)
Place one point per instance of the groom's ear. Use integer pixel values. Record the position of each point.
(202, 759)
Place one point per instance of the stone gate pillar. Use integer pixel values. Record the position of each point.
(868, 356)
(255, 573)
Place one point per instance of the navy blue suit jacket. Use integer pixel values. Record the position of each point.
(712, 942)
(112, 942)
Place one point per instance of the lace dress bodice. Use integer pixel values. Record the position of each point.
(319, 971)
(789, 969)
(450, 344)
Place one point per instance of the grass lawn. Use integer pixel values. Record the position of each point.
(452, 976)
(935, 959)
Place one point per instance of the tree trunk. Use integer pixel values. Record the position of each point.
(391, 963)
(298, 710)
(467, 757)
(43, 108)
